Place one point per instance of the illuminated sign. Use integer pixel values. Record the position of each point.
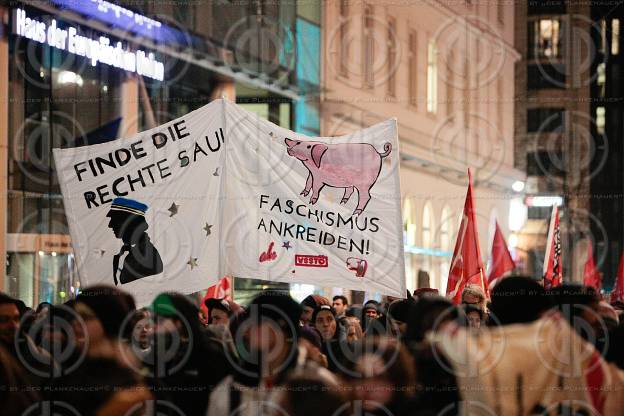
(543, 201)
(97, 50)
(125, 19)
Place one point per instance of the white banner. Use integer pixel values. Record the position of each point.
(221, 191)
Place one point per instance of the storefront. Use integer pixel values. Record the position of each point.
(79, 73)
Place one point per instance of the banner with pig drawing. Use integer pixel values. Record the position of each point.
(221, 191)
(318, 210)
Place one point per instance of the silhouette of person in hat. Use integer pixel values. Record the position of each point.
(140, 257)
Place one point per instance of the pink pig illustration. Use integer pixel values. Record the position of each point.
(344, 165)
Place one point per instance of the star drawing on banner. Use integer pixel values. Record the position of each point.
(207, 228)
(286, 245)
(173, 209)
(192, 262)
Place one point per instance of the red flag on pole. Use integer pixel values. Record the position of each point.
(466, 265)
(553, 275)
(501, 263)
(591, 275)
(617, 295)
(222, 290)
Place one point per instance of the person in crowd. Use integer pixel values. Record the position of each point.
(142, 331)
(308, 305)
(101, 386)
(398, 313)
(324, 320)
(356, 312)
(310, 341)
(307, 395)
(16, 390)
(100, 314)
(340, 304)
(35, 362)
(192, 364)
(579, 305)
(429, 314)
(608, 312)
(517, 299)
(9, 321)
(381, 374)
(352, 329)
(269, 331)
(371, 309)
(220, 311)
(474, 316)
(474, 295)
(436, 383)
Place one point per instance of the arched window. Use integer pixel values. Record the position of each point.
(428, 242)
(409, 225)
(427, 226)
(446, 229)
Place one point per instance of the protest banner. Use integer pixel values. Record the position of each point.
(221, 191)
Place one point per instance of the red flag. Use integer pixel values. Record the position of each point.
(501, 262)
(553, 275)
(219, 291)
(591, 275)
(466, 265)
(617, 295)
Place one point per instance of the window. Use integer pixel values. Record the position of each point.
(545, 39)
(446, 227)
(547, 7)
(392, 56)
(546, 75)
(603, 36)
(450, 86)
(601, 79)
(369, 48)
(500, 11)
(545, 120)
(499, 104)
(600, 120)
(615, 36)
(409, 227)
(427, 227)
(432, 77)
(409, 238)
(544, 163)
(428, 240)
(344, 38)
(413, 70)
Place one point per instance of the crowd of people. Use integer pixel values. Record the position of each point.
(99, 355)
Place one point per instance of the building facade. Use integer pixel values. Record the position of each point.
(447, 75)
(78, 73)
(566, 82)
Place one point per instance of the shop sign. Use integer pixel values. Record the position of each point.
(100, 50)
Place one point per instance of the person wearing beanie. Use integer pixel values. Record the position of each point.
(398, 313)
(309, 304)
(324, 320)
(371, 309)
